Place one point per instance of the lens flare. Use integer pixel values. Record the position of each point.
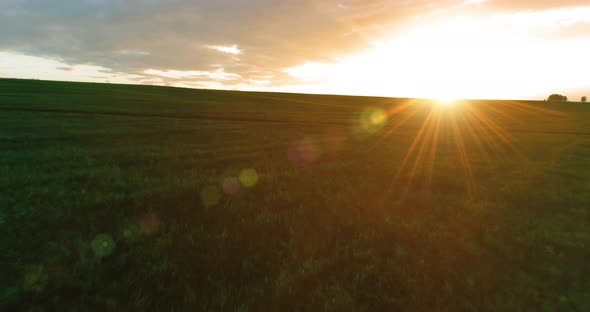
(103, 245)
(303, 153)
(248, 177)
(231, 185)
(371, 121)
(373, 118)
(132, 232)
(210, 196)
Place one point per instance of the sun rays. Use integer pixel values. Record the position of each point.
(470, 132)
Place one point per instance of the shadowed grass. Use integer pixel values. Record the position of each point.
(477, 206)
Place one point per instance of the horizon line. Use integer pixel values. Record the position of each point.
(271, 92)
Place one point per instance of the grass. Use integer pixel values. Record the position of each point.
(118, 197)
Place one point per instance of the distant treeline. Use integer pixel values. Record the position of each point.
(562, 98)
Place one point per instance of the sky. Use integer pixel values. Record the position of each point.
(496, 49)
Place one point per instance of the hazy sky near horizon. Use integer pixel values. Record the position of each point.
(444, 48)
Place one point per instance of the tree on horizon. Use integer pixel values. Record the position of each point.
(557, 98)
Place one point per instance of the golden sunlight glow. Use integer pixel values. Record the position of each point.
(445, 100)
(463, 57)
(468, 130)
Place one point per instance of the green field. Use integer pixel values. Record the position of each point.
(118, 197)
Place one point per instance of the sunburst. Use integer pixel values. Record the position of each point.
(475, 129)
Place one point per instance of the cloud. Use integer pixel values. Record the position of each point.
(253, 41)
(219, 74)
(468, 2)
(133, 36)
(133, 52)
(229, 49)
(21, 66)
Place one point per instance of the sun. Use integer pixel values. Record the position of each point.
(446, 100)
